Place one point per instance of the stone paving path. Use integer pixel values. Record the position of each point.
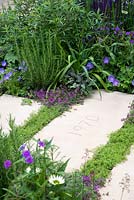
(84, 127)
(87, 126)
(12, 105)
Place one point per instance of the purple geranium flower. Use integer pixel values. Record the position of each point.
(26, 153)
(8, 75)
(131, 41)
(3, 63)
(7, 164)
(89, 66)
(117, 29)
(116, 82)
(41, 143)
(29, 160)
(106, 60)
(111, 78)
(2, 70)
(128, 33)
(133, 82)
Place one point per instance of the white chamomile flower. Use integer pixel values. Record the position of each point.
(28, 169)
(38, 170)
(56, 180)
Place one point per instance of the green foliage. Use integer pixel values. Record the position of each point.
(44, 57)
(18, 135)
(42, 178)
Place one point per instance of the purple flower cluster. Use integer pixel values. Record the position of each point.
(6, 76)
(58, 96)
(113, 80)
(130, 34)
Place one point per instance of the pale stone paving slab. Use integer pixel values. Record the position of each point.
(12, 105)
(87, 126)
(122, 176)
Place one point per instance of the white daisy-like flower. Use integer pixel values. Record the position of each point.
(28, 169)
(56, 180)
(38, 170)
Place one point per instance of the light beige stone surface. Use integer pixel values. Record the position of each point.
(87, 126)
(121, 186)
(12, 105)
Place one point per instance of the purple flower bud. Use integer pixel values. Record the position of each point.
(106, 60)
(7, 164)
(22, 147)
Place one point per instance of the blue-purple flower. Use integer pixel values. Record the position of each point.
(133, 82)
(106, 60)
(116, 82)
(111, 78)
(2, 70)
(29, 160)
(26, 153)
(128, 33)
(117, 29)
(41, 143)
(7, 164)
(3, 63)
(131, 41)
(89, 66)
(7, 76)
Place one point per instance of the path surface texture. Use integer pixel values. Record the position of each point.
(10, 105)
(87, 126)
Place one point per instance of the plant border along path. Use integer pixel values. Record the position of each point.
(105, 158)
